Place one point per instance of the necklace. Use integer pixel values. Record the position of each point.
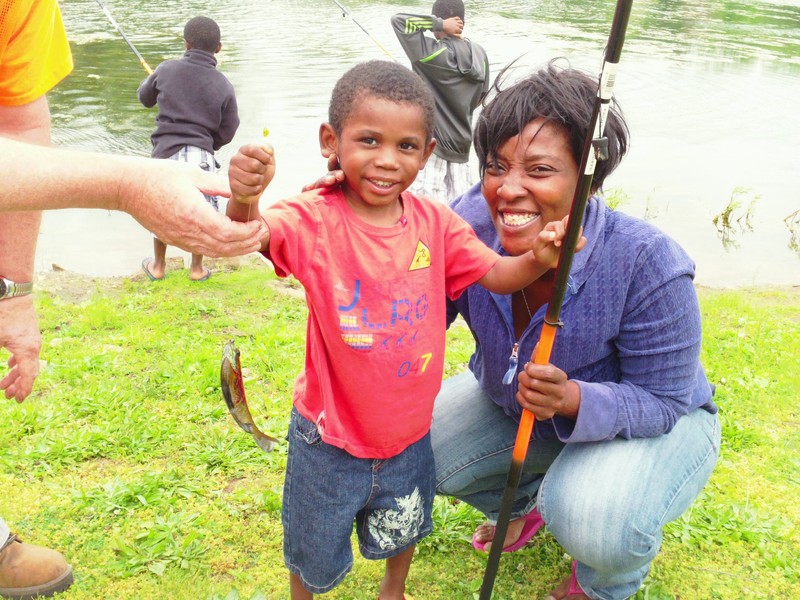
(525, 300)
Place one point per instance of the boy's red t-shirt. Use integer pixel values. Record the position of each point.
(377, 313)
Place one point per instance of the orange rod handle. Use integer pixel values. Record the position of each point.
(540, 357)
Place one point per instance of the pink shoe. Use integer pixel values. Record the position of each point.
(533, 523)
(574, 586)
(574, 589)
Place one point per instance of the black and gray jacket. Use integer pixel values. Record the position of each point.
(456, 70)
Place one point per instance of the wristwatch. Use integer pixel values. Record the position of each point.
(12, 289)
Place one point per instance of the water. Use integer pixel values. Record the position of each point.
(709, 88)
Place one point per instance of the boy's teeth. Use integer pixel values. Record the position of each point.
(382, 183)
(517, 219)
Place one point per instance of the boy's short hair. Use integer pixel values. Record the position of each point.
(445, 9)
(202, 33)
(381, 79)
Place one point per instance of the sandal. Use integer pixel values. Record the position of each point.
(533, 523)
(574, 589)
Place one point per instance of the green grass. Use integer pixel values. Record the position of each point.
(126, 459)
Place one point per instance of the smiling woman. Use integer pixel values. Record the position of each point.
(625, 370)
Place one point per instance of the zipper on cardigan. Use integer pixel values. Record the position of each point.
(512, 365)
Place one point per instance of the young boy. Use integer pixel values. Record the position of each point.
(197, 114)
(376, 264)
(457, 72)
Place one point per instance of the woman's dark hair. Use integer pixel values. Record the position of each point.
(202, 33)
(381, 79)
(563, 96)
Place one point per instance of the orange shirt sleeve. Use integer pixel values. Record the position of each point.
(34, 51)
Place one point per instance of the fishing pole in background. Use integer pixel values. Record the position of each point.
(595, 147)
(346, 13)
(142, 61)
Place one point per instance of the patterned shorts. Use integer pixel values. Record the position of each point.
(443, 180)
(203, 159)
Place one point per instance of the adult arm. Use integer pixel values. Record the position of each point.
(164, 196)
(19, 329)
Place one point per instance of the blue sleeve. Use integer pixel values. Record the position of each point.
(658, 349)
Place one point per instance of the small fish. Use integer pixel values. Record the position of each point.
(233, 392)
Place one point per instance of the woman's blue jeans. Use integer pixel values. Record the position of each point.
(605, 502)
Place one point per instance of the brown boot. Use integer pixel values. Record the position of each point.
(28, 571)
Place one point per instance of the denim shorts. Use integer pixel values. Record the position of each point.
(327, 490)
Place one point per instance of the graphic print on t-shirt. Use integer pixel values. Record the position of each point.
(422, 257)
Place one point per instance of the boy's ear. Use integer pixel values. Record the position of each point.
(219, 47)
(427, 153)
(328, 141)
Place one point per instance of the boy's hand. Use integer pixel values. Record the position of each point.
(250, 172)
(333, 178)
(453, 27)
(547, 245)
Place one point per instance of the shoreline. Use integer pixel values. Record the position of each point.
(76, 287)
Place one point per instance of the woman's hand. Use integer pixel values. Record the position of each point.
(546, 391)
(333, 178)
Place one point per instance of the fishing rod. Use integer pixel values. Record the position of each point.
(346, 13)
(142, 61)
(595, 147)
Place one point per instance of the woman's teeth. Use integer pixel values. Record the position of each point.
(519, 219)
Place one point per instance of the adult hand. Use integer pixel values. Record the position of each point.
(19, 333)
(250, 172)
(333, 178)
(453, 26)
(546, 391)
(165, 196)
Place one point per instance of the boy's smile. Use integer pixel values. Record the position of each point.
(381, 149)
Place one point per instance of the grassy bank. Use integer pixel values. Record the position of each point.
(126, 459)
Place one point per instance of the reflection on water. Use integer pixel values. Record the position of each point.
(709, 88)
(737, 218)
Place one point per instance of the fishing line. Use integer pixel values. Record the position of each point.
(142, 61)
(346, 13)
(595, 148)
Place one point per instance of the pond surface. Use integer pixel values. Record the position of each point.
(710, 89)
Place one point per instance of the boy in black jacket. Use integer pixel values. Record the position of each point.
(197, 114)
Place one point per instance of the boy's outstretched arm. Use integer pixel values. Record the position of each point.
(250, 172)
(512, 273)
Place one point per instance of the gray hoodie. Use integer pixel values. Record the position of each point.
(456, 70)
(196, 104)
